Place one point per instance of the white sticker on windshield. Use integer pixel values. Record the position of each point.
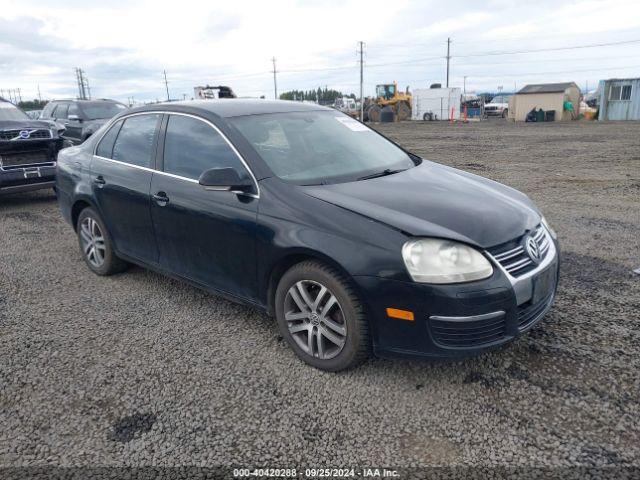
(352, 124)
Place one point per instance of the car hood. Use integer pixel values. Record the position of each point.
(437, 201)
(23, 124)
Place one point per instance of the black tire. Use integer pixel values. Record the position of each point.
(403, 111)
(374, 113)
(357, 344)
(110, 262)
(505, 113)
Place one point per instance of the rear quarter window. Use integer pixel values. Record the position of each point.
(105, 147)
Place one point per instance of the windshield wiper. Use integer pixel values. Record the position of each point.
(384, 173)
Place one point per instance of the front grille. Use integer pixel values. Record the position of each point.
(37, 134)
(24, 158)
(514, 258)
(529, 314)
(468, 334)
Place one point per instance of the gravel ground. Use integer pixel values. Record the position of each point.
(138, 369)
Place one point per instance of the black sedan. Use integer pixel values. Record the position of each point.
(354, 244)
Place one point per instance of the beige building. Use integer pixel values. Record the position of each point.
(548, 97)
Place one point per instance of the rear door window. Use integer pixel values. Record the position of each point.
(136, 140)
(192, 146)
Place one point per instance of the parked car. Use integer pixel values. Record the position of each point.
(33, 114)
(353, 243)
(81, 118)
(498, 106)
(28, 150)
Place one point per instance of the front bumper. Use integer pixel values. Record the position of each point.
(14, 180)
(458, 320)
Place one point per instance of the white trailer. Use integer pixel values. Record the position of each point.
(435, 103)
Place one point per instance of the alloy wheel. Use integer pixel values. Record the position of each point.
(92, 241)
(315, 319)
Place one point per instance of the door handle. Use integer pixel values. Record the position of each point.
(99, 180)
(161, 198)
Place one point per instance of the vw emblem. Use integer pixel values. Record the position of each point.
(24, 133)
(532, 248)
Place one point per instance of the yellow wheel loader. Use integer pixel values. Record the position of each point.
(388, 94)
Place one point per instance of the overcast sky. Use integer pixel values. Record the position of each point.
(123, 46)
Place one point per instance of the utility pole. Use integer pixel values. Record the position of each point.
(464, 86)
(361, 44)
(275, 82)
(39, 95)
(448, 58)
(166, 84)
(19, 96)
(83, 84)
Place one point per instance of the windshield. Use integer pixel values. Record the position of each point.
(8, 111)
(93, 111)
(500, 99)
(386, 91)
(319, 147)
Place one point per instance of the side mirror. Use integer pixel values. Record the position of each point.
(74, 118)
(225, 179)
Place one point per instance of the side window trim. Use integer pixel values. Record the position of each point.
(159, 146)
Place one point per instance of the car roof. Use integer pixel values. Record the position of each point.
(235, 107)
(77, 100)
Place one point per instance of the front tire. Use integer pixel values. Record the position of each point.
(321, 317)
(374, 113)
(96, 246)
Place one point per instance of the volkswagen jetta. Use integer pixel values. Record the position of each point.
(354, 244)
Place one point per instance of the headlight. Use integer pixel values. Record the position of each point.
(549, 229)
(431, 260)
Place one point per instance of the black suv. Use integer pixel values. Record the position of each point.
(81, 118)
(28, 151)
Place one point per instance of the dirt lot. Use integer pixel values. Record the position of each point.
(137, 369)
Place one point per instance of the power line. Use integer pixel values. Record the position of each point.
(595, 69)
(556, 49)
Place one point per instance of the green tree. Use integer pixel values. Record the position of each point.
(34, 104)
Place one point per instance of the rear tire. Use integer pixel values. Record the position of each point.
(403, 111)
(321, 317)
(96, 246)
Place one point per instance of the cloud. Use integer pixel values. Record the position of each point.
(124, 46)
